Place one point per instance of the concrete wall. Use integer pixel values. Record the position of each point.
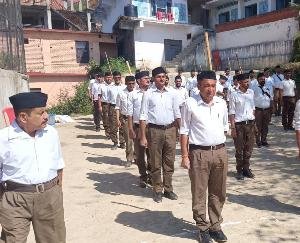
(149, 41)
(11, 83)
(280, 30)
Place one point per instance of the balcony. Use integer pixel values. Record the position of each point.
(33, 2)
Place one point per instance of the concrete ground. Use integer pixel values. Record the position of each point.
(104, 203)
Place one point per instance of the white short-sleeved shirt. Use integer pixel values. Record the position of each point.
(134, 104)
(29, 160)
(191, 83)
(288, 87)
(205, 125)
(242, 105)
(122, 101)
(182, 95)
(194, 92)
(262, 96)
(113, 92)
(96, 90)
(277, 80)
(297, 116)
(160, 108)
(253, 83)
(91, 83)
(104, 91)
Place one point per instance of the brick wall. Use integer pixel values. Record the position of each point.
(259, 19)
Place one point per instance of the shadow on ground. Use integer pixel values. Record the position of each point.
(158, 222)
(119, 183)
(263, 203)
(105, 160)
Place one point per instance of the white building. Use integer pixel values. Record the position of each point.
(155, 34)
(260, 32)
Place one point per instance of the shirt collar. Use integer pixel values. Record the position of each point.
(200, 101)
(15, 131)
(165, 89)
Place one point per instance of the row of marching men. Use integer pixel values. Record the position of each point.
(150, 115)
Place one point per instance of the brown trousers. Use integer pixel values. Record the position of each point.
(129, 142)
(262, 120)
(140, 151)
(105, 115)
(277, 101)
(113, 123)
(288, 110)
(244, 145)
(162, 146)
(96, 113)
(208, 171)
(45, 211)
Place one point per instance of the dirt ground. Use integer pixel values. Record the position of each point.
(104, 203)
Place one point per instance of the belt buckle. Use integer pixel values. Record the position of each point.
(213, 147)
(40, 188)
(247, 122)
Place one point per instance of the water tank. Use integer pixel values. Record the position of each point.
(130, 10)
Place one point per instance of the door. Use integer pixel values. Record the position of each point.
(172, 48)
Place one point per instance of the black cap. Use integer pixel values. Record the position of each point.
(116, 73)
(223, 77)
(28, 100)
(129, 78)
(141, 74)
(242, 76)
(207, 75)
(158, 70)
(107, 74)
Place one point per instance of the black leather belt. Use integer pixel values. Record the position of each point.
(18, 187)
(163, 127)
(245, 122)
(262, 109)
(215, 147)
(112, 105)
(124, 116)
(136, 125)
(104, 103)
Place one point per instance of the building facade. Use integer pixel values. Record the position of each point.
(253, 33)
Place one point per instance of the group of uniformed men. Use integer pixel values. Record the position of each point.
(149, 113)
(148, 116)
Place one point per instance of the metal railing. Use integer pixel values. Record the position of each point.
(12, 54)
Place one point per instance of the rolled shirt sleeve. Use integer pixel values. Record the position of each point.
(118, 102)
(232, 104)
(176, 108)
(225, 118)
(130, 104)
(60, 160)
(297, 116)
(186, 116)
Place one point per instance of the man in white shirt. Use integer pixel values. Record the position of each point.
(192, 81)
(161, 111)
(203, 127)
(277, 78)
(242, 119)
(252, 80)
(31, 174)
(104, 102)
(288, 87)
(134, 107)
(181, 91)
(92, 80)
(95, 95)
(180, 71)
(221, 91)
(122, 117)
(263, 101)
(112, 94)
(297, 125)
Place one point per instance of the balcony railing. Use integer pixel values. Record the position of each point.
(34, 2)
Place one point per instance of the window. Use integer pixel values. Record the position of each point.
(251, 10)
(164, 6)
(233, 14)
(82, 51)
(280, 4)
(224, 17)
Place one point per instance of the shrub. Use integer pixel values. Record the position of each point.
(116, 64)
(93, 68)
(80, 103)
(296, 49)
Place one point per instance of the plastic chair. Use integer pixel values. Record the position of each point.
(9, 115)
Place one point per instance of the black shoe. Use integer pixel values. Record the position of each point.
(218, 236)
(122, 145)
(143, 183)
(170, 195)
(239, 176)
(149, 180)
(248, 173)
(259, 144)
(157, 197)
(266, 144)
(97, 129)
(114, 147)
(204, 237)
(285, 128)
(291, 128)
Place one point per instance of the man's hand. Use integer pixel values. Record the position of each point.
(143, 142)
(185, 162)
(233, 133)
(132, 134)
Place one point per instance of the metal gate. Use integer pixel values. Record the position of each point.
(12, 54)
